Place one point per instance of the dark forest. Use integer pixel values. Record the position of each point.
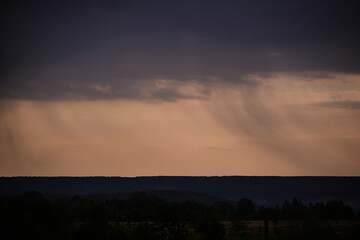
(143, 216)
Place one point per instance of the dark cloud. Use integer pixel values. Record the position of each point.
(57, 49)
(170, 95)
(354, 105)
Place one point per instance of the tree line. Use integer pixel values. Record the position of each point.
(142, 216)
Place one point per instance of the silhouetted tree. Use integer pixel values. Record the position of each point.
(210, 227)
(246, 208)
(338, 210)
(34, 196)
(226, 211)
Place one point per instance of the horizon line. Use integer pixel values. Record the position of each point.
(193, 176)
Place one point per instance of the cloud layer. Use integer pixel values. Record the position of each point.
(179, 87)
(275, 124)
(58, 50)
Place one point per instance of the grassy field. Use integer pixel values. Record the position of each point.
(283, 229)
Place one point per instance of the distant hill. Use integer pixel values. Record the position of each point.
(170, 195)
(262, 190)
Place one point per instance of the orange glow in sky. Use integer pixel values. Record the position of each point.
(283, 124)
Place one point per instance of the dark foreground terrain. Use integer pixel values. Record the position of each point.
(148, 217)
(180, 208)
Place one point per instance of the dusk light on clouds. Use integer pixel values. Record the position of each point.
(140, 88)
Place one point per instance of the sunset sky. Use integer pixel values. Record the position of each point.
(147, 88)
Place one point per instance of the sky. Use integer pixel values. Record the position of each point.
(186, 88)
